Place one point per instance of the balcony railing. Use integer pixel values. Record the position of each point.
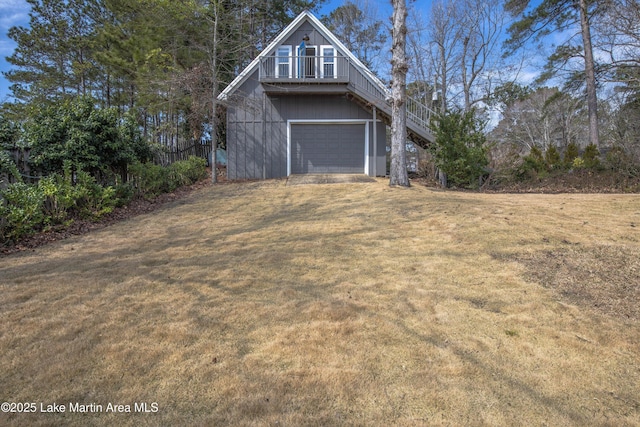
(310, 69)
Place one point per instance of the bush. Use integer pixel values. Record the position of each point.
(187, 172)
(533, 165)
(59, 198)
(124, 194)
(149, 180)
(92, 200)
(552, 158)
(8, 166)
(572, 152)
(578, 163)
(591, 156)
(460, 148)
(20, 211)
(619, 160)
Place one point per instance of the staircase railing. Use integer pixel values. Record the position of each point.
(417, 112)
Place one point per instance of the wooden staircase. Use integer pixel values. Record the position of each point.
(367, 94)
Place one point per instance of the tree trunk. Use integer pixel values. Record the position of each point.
(399, 68)
(589, 68)
(214, 97)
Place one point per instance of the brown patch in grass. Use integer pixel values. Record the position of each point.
(604, 278)
(261, 304)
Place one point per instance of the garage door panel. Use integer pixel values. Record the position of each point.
(327, 148)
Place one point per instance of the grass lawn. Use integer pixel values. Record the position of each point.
(345, 304)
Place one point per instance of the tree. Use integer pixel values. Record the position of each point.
(361, 34)
(77, 134)
(618, 37)
(399, 68)
(552, 16)
(481, 27)
(445, 36)
(460, 149)
(540, 119)
(52, 58)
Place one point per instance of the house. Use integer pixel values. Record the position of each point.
(307, 105)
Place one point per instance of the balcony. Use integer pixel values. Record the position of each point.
(312, 70)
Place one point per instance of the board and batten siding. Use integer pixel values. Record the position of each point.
(257, 129)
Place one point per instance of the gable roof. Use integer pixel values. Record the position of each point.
(284, 34)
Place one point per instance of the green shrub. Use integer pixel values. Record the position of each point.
(59, 198)
(578, 163)
(571, 153)
(8, 166)
(619, 160)
(591, 156)
(460, 148)
(533, 165)
(150, 180)
(92, 200)
(124, 194)
(20, 211)
(187, 172)
(552, 158)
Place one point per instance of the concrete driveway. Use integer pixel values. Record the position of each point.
(328, 179)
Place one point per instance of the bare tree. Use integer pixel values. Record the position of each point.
(444, 35)
(558, 16)
(481, 28)
(399, 68)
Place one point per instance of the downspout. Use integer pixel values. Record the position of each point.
(375, 142)
(264, 135)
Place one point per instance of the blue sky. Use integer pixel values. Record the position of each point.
(12, 13)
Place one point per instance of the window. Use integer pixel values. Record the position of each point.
(283, 62)
(328, 62)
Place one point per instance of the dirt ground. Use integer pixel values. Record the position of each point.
(345, 304)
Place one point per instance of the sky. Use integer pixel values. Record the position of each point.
(12, 13)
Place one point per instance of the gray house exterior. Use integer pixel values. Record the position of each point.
(307, 105)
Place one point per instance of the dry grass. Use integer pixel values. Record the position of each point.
(357, 304)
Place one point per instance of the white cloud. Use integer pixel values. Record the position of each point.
(13, 12)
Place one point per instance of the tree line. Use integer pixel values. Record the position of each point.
(155, 66)
(553, 75)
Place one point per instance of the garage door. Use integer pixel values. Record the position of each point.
(327, 148)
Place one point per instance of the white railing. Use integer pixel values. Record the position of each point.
(296, 68)
(417, 112)
(333, 69)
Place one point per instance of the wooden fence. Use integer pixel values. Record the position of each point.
(171, 156)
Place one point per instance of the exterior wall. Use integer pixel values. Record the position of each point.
(315, 38)
(258, 123)
(257, 129)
